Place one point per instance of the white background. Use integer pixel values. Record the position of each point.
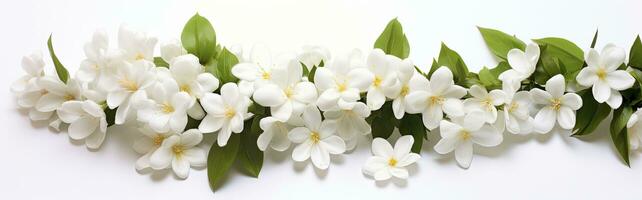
(39, 164)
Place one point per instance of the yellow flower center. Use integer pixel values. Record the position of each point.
(69, 97)
(167, 108)
(158, 139)
(556, 104)
(266, 75)
(289, 92)
(377, 81)
(139, 56)
(342, 87)
(404, 91)
(465, 135)
(178, 150)
(488, 103)
(129, 85)
(392, 162)
(230, 112)
(601, 73)
(513, 106)
(314, 136)
(435, 100)
(186, 88)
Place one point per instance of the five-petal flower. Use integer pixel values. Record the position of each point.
(316, 140)
(602, 73)
(557, 106)
(388, 162)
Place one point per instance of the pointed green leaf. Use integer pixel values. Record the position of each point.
(220, 160)
(569, 54)
(412, 124)
(199, 38)
(452, 60)
(393, 41)
(635, 55)
(619, 133)
(222, 67)
(499, 42)
(250, 156)
(159, 62)
(594, 39)
(590, 115)
(62, 72)
(382, 121)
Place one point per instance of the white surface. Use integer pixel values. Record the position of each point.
(39, 164)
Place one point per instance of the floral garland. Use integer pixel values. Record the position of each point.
(322, 105)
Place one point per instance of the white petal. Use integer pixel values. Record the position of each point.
(540, 96)
(375, 99)
(474, 120)
(408, 159)
(82, 128)
(556, 86)
(441, 80)
(615, 100)
(453, 107)
(519, 62)
(191, 138)
(446, 145)
(381, 147)
(586, 77)
(382, 175)
(49, 102)
(320, 157)
(269, 95)
(246, 71)
(230, 94)
(95, 139)
(545, 120)
(360, 78)
(432, 116)
(403, 145)
(612, 57)
(374, 164)
(302, 151)
(299, 134)
(180, 168)
(208, 82)
(478, 91)
(333, 145)
(572, 100)
(566, 117)
(305, 92)
(283, 111)
(399, 172)
(464, 154)
(620, 80)
(264, 139)
(210, 124)
(398, 107)
(161, 158)
(601, 91)
(195, 156)
(487, 136)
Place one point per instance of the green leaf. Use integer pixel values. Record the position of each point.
(220, 160)
(250, 156)
(499, 42)
(313, 71)
(635, 55)
(619, 133)
(393, 41)
(159, 62)
(110, 115)
(569, 54)
(383, 121)
(433, 67)
(594, 39)
(199, 38)
(452, 60)
(412, 124)
(222, 67)
(62, 72)
(590, 115)
(489, 78)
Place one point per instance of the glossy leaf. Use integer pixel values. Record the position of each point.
(62, 72)
(590, 115)
(452, 60)
(250, 156)
(382, 121)
(569, 54)
(222, 66)
(199, 38)
(412, 124)
(159, 62)
(220, 160)
(594, 39)
(393, 40)
(499, 42)
(635, 55)
(619, 132)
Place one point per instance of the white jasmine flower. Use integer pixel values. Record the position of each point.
(100, 60)
(127, 84)
(634, 130)
(316, 139)
(522, 63)
(602, 73)
(166, 108)
(435, 97)
(225, 112)
(147, 144)
(460, 135)
(388, 162)
(57, 93)
(257, 72)
(313, 55)
(351, 123)
(135, 45)
(485, 101)
(286, 95)
(405, 71)
(383, 68)
(191, 77)
(172, 49)
(558, 107)
(86, 120)
(516, 116)
(275, 133)
(180, 153)
(33, 65)
(340, 83)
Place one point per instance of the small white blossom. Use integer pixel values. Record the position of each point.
(602, 73)
(179, 152)
(557, 106)
(136, 46)
(86, 120)
(316, 140)
(341, 82)
(388, 162)
(166, 108)
(351, 123)
(225, 112)
(522, 63)
(485, 101)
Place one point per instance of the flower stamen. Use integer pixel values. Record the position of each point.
(129, 85)
(556, 104)
(314, 136)
(167, 108)
(435, 100)
(230, 112)
(392, 162)
(465, 135)
(601, 73)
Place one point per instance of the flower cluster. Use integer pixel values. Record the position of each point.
(323, 104)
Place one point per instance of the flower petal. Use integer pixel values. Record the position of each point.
(82, 128)
(381, 147)
(556, 86)
(333, 145)
(601, 91)
(464, 154)
(269, 95)
(487, 136)
(620, 80)
(302, 151)
(615, 100)
(545, 120)
(180, 168)
(403, 146)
